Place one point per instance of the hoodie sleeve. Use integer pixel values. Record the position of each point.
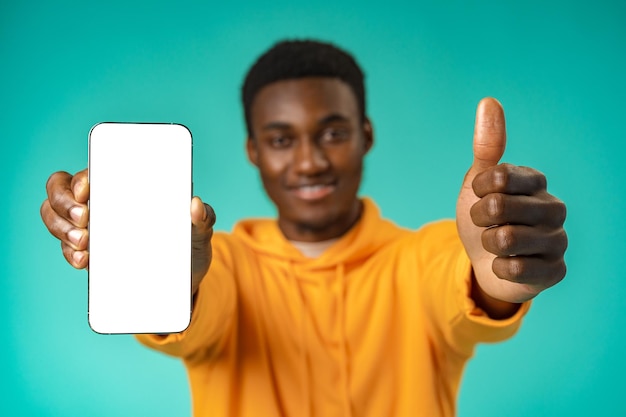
(212, 315)
(446, 276)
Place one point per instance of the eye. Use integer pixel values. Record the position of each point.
(333, 135)
(280, 141)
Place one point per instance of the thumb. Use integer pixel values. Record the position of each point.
(202, 219)
(202, 216)
(489, 144)
(489, 134)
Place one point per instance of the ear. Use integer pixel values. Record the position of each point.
(368, 135)
(251, 150)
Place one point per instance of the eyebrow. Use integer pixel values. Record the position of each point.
(276, 125)
(331, 118)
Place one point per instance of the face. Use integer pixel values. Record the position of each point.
(308, 144)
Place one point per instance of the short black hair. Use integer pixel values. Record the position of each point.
(290, 59)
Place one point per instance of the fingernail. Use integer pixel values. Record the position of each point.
(76, 213)
(74, 236)
(78, 256)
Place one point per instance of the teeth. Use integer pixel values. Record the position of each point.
(312, 192)
(312, 187)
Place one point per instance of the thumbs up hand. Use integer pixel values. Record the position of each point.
(511, 227)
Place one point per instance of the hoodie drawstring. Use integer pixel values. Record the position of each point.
(347, 408)
(304, 367)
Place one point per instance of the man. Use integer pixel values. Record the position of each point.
(331, 310)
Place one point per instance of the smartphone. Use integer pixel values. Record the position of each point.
(140, 180)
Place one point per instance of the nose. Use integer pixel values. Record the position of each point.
(310, 158)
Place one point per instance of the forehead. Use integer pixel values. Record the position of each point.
(299, 99)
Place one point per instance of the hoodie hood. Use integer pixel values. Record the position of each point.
(368, 235)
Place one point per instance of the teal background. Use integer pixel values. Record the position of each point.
(558, 68)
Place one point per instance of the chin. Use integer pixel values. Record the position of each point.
(321, 222)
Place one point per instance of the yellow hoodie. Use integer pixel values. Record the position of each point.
(381, 324)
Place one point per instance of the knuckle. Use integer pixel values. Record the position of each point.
(57, 200)
(43, 210)
(505, 239)
(536, 179)
(555, 210)
(49, 218)
(516, 268)
(560, 242)
(561, 213)
(500, 177)
(52, 179)
(541, 182)
(556, 273)
(564, 240)
(495, 204)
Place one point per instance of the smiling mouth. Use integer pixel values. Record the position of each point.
(313, 192)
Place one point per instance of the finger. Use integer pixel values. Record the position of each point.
(532, 270)
(509, 179)
(75, 237)
(510, 240)
(79, 259)
(62, 201)
(489, 134)
(499, 209)
(80, 186)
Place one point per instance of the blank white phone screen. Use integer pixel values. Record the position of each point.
(140, 179)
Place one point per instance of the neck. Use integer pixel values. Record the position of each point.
(331, 229)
